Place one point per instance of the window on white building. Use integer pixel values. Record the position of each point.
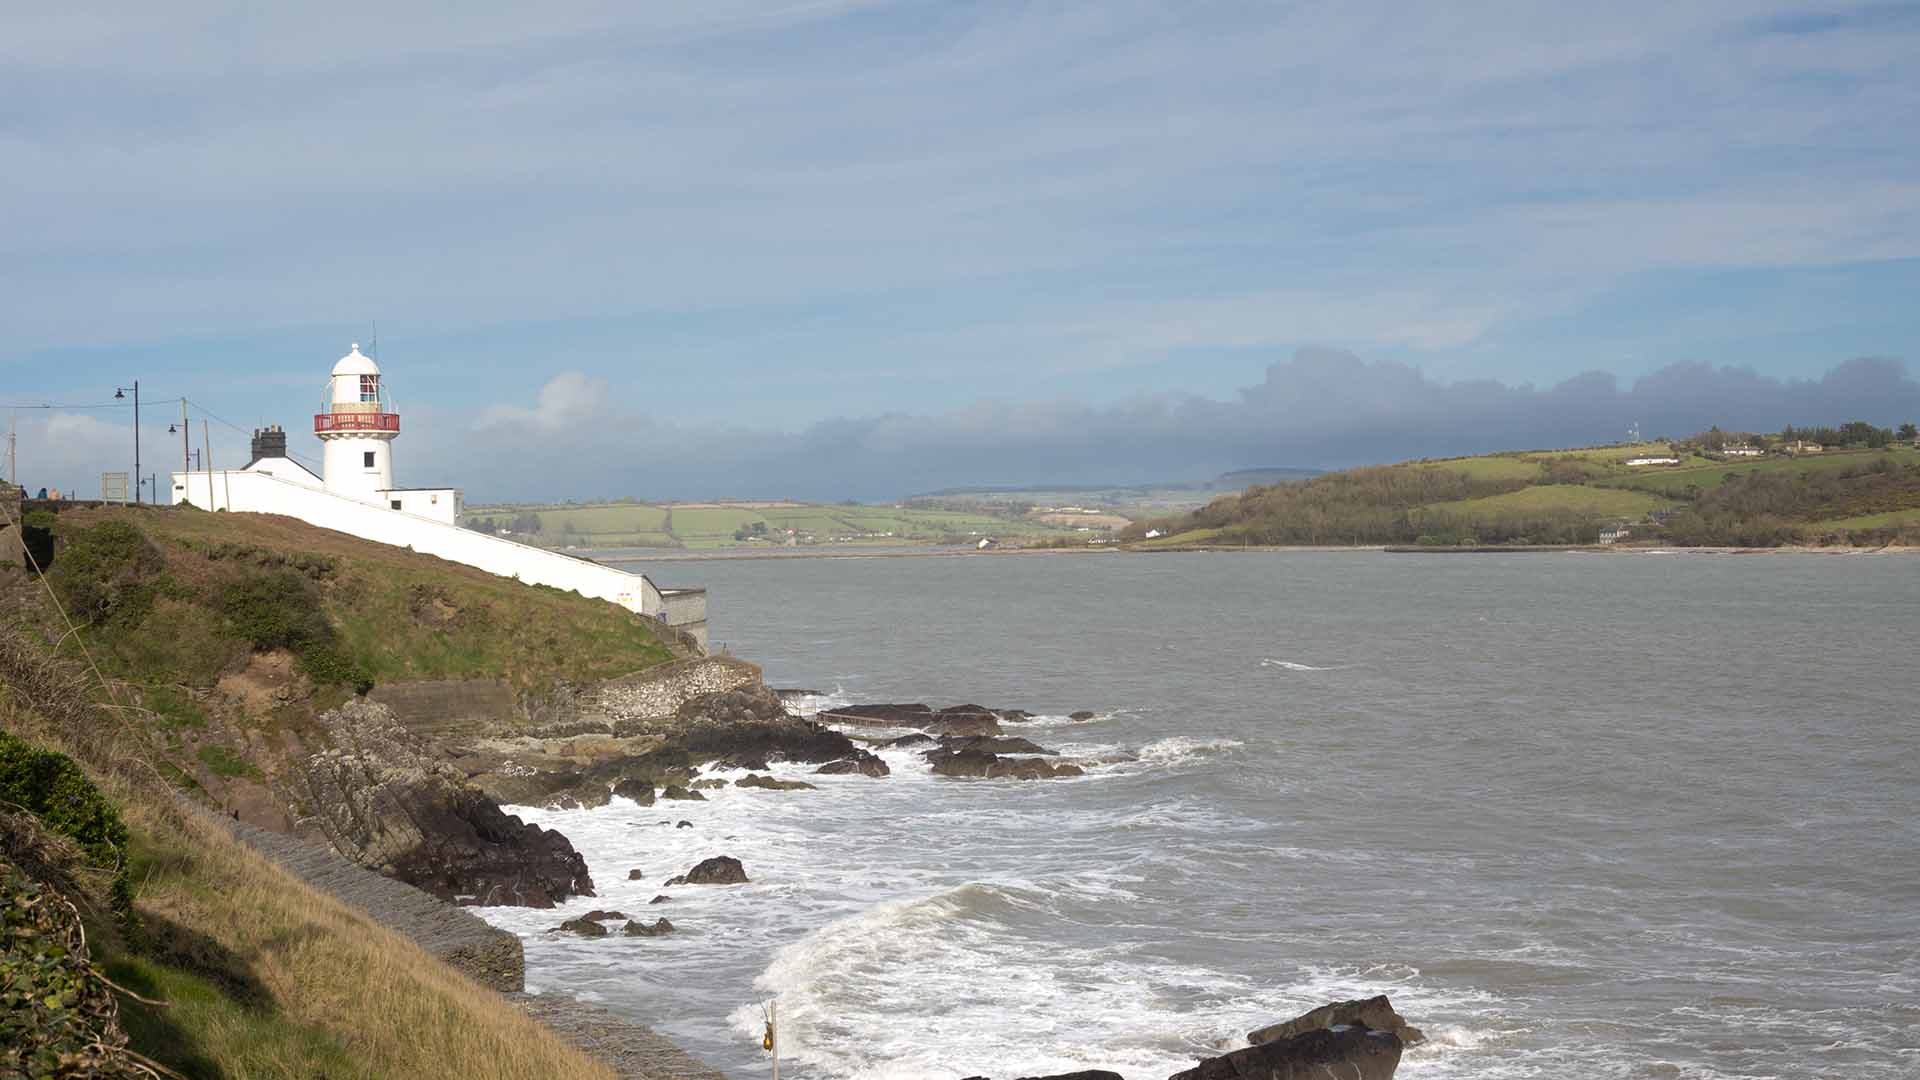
(396, 504)
(367, 459)
(370, 388)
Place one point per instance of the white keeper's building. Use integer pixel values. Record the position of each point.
(357, 495)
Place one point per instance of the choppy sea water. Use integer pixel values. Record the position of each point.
(1581, 816)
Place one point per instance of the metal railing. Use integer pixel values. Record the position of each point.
(323, 422)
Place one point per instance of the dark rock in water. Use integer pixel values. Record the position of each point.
(994, 744)
(637, 929)
(749, 727)
(881, 715)
(1350, 1052)
(1013, 716)
(638, 790)
(1084, 1074)
(1083, 714)
(676, 792)
(634, 874)
(663, 898)
(583, 927)
(979, 763)
(865, 764)
(604, 916)
(684, 825)
(909, 740)
(719, 870)
(964, 720)
(709, 784)
(755, 780)
(584, 795)
(1374, 1012)
(385, 802)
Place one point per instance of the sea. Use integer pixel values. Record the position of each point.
(1579, 815)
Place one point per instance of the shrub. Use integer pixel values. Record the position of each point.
(53, 788)
(280, 609)
(108, 574)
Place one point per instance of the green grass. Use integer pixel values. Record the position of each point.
(1497, 467)
(225, 762)
(1706, 475)
(1576, 498)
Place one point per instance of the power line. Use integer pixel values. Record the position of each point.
(209, 414)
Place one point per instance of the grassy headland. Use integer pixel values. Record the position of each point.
(201, 650)
(1708, 496)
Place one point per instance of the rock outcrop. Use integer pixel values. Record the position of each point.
(1374, 1012)
(640, 929)
(639, 791)
(1352, 1052)
(866, 765)
(984, 765)
(755, 780)
(382, 801)
(582, 926)
(719, 870)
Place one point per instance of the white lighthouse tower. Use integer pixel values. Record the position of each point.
(357, 430)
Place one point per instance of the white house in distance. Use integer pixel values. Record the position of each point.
(357, 495)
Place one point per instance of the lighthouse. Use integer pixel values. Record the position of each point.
(357, 430)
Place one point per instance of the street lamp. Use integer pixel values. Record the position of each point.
(119, 394)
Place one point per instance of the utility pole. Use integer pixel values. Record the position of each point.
(206, 458)
(121, 392)
(13, 466)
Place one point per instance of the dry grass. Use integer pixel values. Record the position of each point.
(393, 1009)
(323, 990)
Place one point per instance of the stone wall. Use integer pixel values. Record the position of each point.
(13, 550)
(661, 691)
(449, 706)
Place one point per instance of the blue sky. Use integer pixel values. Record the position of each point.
(753, 220)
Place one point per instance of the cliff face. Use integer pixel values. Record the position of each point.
(382, 800)
(244, 642)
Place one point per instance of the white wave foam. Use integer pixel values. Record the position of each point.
(975, 979)
(1291, 666)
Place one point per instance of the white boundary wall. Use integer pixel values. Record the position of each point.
(259, 493)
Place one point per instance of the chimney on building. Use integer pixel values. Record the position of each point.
(269, 442)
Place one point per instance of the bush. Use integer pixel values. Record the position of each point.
(108, 574)
(280, 609)
(53, 788)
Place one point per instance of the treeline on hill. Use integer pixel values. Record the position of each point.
(1857, 435)
(1743, 507)
(1379, 504)
(1768, 509)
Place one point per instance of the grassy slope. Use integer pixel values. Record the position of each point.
(1704, 475)
(1593, 485)
(261, 975)
(1597, 501)
(403, 615)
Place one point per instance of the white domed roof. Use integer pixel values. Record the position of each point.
(356, 363)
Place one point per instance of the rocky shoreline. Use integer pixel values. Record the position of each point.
(423, 808)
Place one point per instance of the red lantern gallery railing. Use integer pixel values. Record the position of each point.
(380, 421)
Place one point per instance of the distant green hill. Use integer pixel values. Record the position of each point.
(1716, 491)
(756, 524)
